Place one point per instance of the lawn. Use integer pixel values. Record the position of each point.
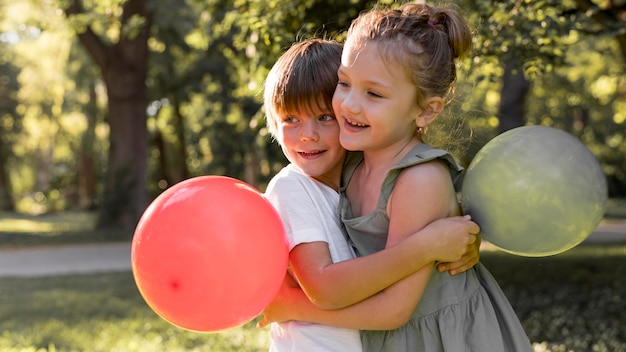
(101, 312)
(575, 301)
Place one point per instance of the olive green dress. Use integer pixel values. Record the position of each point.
(465, 312)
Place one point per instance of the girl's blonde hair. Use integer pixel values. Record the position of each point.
(426, 41)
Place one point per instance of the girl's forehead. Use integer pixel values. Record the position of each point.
(374, 59)
(353, 50)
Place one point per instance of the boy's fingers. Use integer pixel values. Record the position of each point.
(261, 323)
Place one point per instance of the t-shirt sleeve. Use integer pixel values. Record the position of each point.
(293, 199)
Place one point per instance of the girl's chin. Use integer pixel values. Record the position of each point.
(351, 145)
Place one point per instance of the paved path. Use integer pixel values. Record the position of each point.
(72, 259)
(111, 257)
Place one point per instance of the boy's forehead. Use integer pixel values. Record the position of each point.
(312, 108)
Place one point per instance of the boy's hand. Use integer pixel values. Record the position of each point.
(467, 261)
(456, 244)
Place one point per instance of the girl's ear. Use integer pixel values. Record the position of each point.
(434, 106)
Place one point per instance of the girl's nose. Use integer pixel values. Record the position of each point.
(349, 103)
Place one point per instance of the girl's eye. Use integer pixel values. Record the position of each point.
(374, 94)
(342, 84)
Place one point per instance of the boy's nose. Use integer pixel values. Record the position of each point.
(309, 132)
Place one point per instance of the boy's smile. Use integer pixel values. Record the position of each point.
(310, 141)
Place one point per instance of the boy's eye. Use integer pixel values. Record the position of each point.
(326, 118)
(290, 119)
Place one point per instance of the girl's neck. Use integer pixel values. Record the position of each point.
(371, 173)
(385, 159)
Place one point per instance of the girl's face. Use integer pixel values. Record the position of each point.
(310, 141)
(375, 101)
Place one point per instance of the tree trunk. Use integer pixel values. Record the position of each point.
(177, 165)
(6, 201)
(87, 178)
(512, 98)
(173, 155)
(123, 67)
(124, 198)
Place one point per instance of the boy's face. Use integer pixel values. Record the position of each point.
(310, 141)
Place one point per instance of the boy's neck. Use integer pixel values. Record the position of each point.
(332, 182)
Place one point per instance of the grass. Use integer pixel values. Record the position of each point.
(20, 230)
(101, 312)
(575, 301)
(571, 302)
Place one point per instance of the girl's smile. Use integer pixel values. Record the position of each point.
(375, 102)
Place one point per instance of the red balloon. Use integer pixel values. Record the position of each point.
(209, 254)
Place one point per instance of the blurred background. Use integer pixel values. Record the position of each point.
(106, 103)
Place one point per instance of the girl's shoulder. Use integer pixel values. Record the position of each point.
(423, 153)
(434, 173)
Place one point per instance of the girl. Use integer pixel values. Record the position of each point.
(298, 99)
(396, 70)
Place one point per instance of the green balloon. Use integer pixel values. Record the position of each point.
(535, 191)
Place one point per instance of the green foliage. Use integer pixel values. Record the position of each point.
(208, 61)
(574, 64)
(536, 32)
(211, 60)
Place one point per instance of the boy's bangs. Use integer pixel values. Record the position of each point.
(306, 95)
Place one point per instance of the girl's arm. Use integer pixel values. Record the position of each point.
(336, 285)
(382, 311)
(392, 307)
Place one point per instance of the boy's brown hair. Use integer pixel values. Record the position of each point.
(303, 79)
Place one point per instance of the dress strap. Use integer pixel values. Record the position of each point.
(420, 154)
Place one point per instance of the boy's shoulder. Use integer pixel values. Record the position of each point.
(287, 179)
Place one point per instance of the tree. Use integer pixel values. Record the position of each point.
(84, 102)
(537, 43)
(203, 63)
(534, 36)
(10, 124)
(123, 62)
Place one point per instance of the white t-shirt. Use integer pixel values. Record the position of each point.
(308, 210)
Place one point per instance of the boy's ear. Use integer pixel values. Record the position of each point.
(434, 106)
